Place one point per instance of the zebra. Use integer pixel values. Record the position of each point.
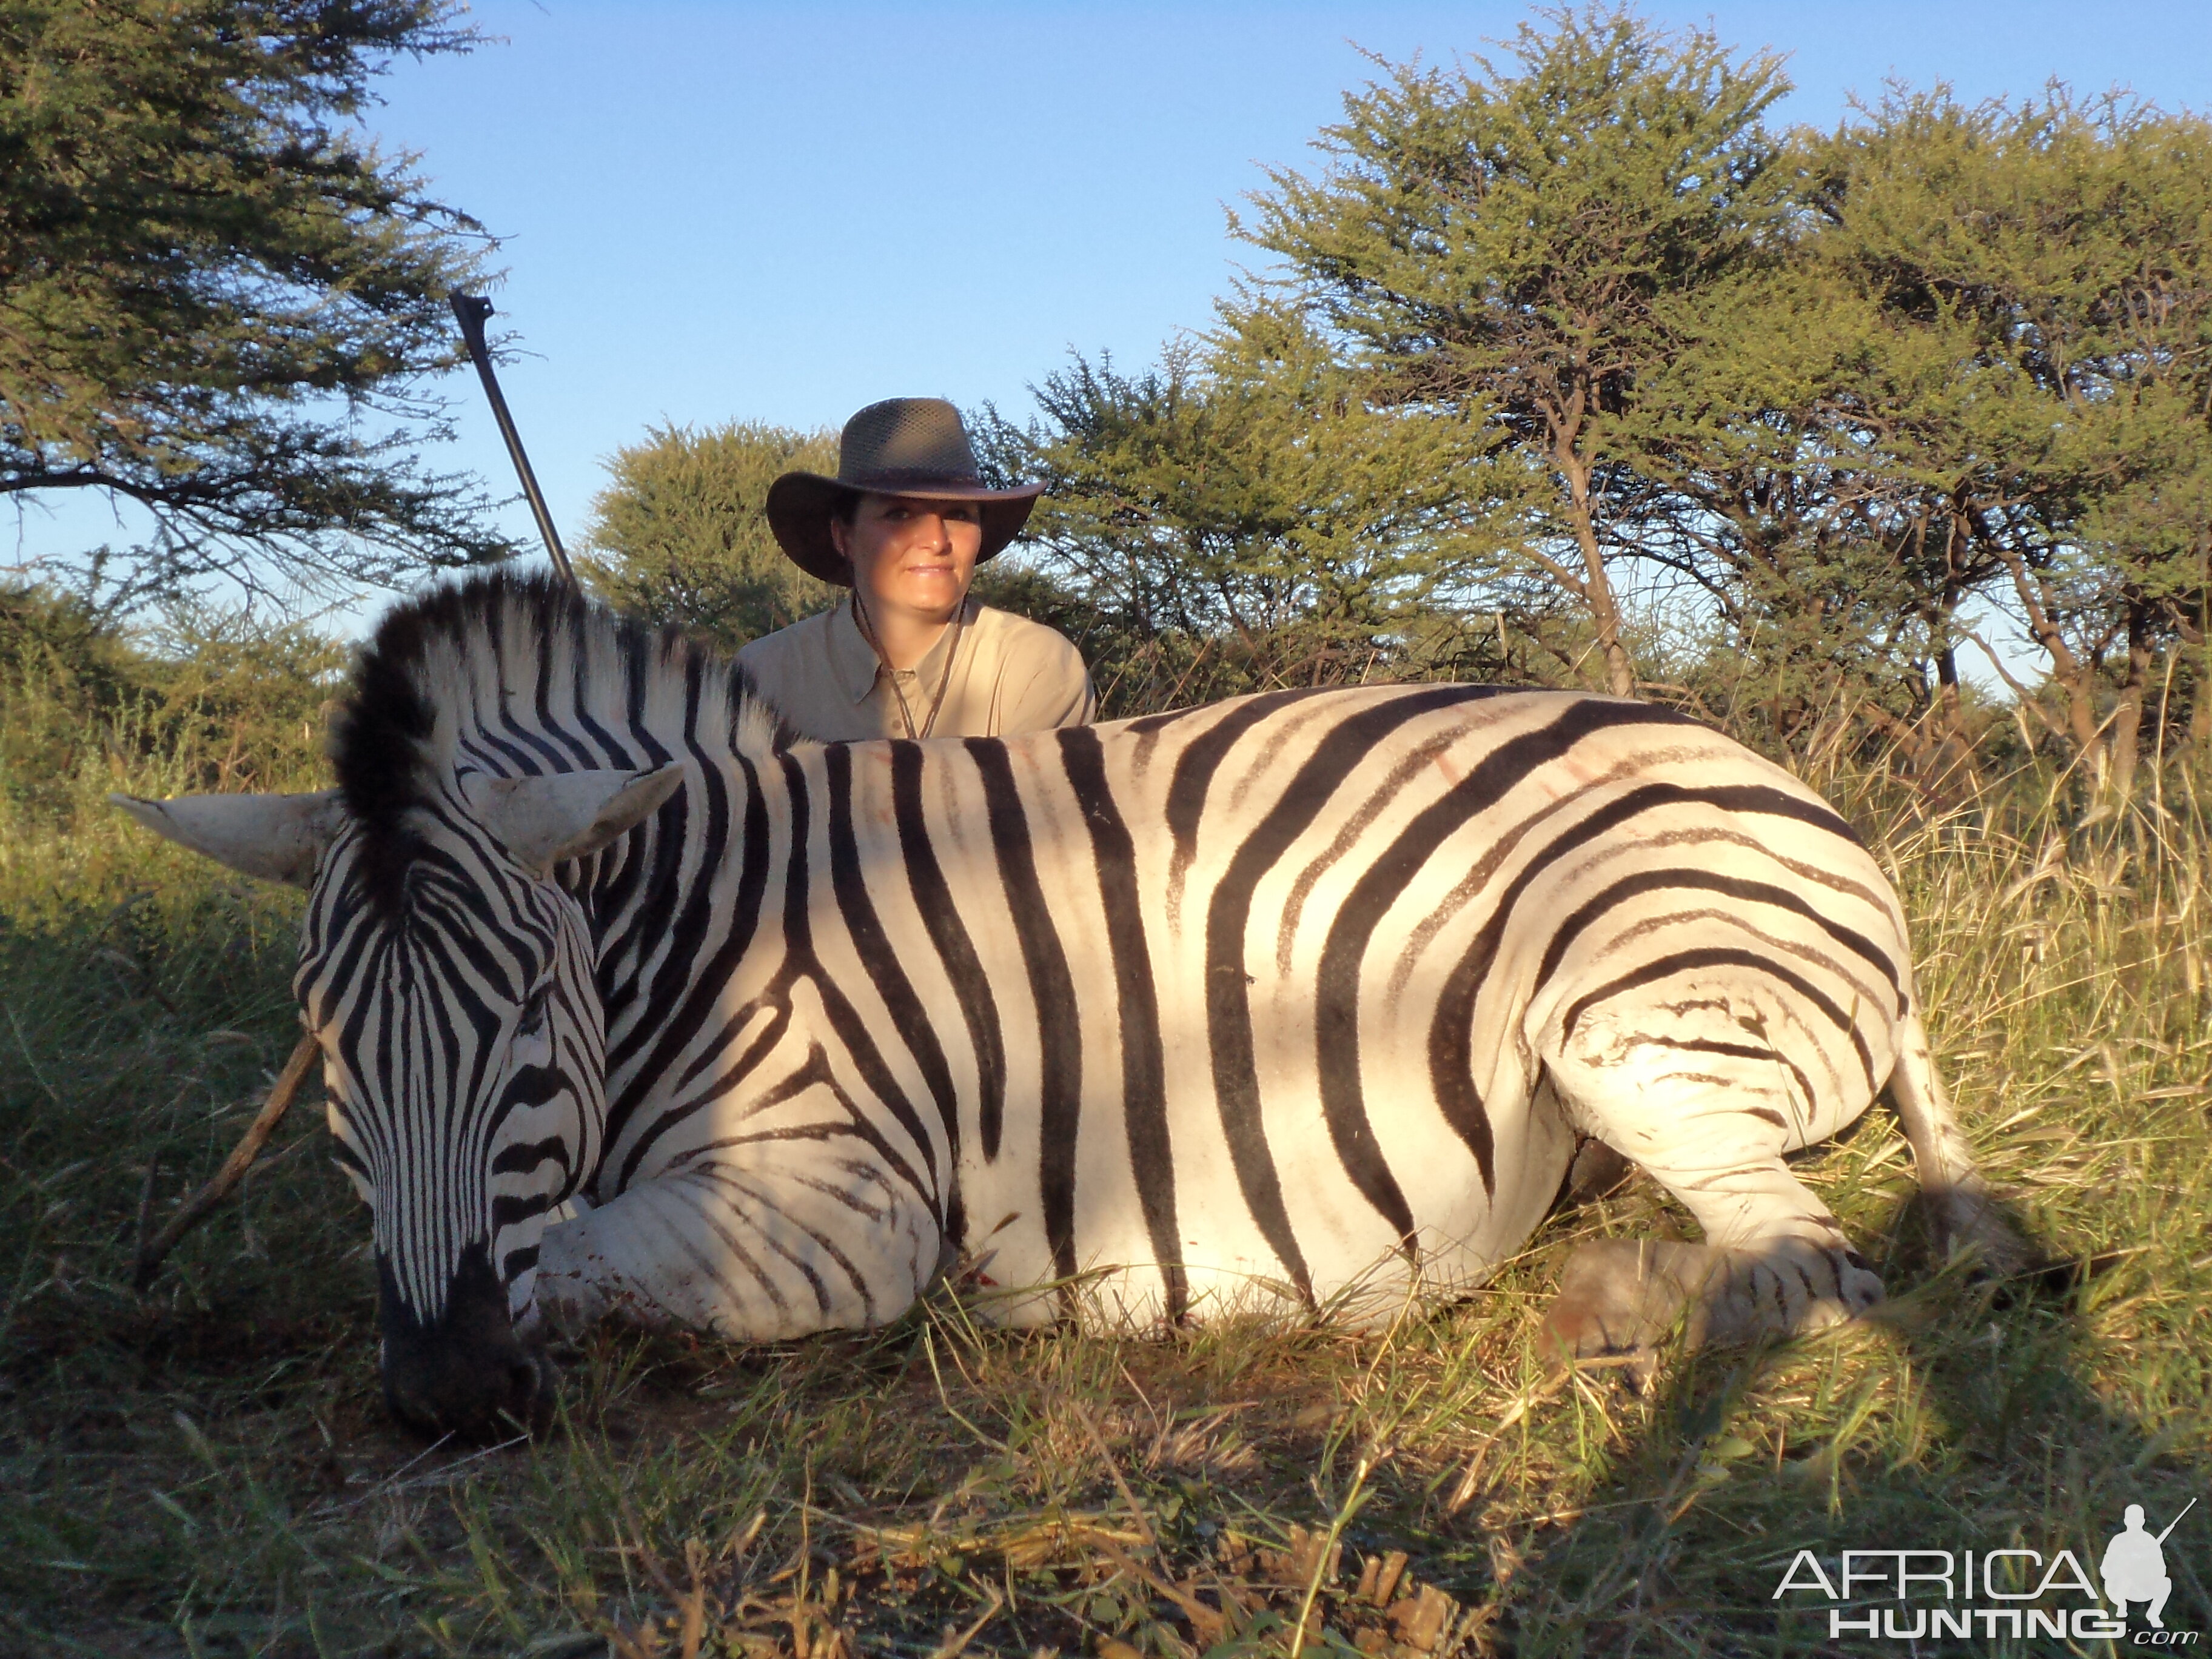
(1297, 1005)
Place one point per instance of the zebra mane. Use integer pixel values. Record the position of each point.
(504, 655)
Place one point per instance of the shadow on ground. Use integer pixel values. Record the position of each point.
(1978, 1427)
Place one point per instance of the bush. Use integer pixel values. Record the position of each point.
(205, 700)
(681, 534)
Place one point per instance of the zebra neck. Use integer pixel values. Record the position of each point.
(676, 908)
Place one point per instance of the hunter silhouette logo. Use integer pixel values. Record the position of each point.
(2134, 1568)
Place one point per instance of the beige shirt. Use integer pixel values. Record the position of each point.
(1009, 674)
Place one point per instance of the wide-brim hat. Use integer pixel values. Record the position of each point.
(901, 446)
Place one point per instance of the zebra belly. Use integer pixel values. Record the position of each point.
(1357, 1269)
(1280, 1199)
(1359, 1275)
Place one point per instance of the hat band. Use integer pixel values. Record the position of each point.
(894, 479)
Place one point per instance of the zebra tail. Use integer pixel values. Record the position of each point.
(1963, 1215)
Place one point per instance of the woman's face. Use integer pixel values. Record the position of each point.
(910, 556)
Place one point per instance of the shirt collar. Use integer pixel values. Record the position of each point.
(852, 658)
(854, 662)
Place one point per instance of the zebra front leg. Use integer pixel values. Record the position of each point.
(780, 1245)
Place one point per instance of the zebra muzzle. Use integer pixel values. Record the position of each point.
(463, 1372)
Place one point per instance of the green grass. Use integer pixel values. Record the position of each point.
(206, 1468)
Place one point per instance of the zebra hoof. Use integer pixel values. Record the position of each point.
(1962, 1222)
(1782, 1288)
(1619, 1297)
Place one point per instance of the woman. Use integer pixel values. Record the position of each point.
(908, 654)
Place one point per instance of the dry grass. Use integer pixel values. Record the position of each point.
(206, 1468)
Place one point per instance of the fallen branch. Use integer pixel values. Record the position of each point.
(195, 1209)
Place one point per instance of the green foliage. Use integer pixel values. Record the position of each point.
(242, 702)
(680, 534)
(1246, 516)
(2036, 407)
(215, 296)
(1756, 494)
(67, 640)
(64, 675)
(1519, 248)
(212, 700)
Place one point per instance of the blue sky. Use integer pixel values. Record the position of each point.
(717, 212)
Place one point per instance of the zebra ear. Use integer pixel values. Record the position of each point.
(567, 815)
(272, 837)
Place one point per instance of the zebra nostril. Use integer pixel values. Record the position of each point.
(464, 1372)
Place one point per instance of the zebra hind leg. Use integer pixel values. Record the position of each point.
(1710, 1119)
(1622, 1298)
(1963, 1218)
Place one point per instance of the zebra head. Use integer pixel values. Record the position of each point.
(449, 980)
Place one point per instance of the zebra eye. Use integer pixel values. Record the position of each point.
(532, 1020)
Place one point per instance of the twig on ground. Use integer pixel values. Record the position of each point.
(195, 1209)
(953, 1646)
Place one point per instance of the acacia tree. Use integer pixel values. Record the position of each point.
(1754, 495)
(1523, 246)
(2043, 275)
(680, 533)
(2166, 523)
(216, 295)
(1245, 515)
(1799, 471)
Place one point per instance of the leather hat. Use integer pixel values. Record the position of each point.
(901, 446)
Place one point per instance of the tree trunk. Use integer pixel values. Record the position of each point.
(1597, 586)
(2125, 739)
(2200, 710)
(2077, 678)
(2197, 638)
(1952, 754)
(1950, 721)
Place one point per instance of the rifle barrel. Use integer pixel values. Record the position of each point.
(2176, 1522)
(470, 311)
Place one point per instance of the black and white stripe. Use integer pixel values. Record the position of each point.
(1296, 1002)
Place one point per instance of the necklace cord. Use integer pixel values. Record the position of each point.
(891, 674)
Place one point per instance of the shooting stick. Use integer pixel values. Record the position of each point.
(469, 310)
